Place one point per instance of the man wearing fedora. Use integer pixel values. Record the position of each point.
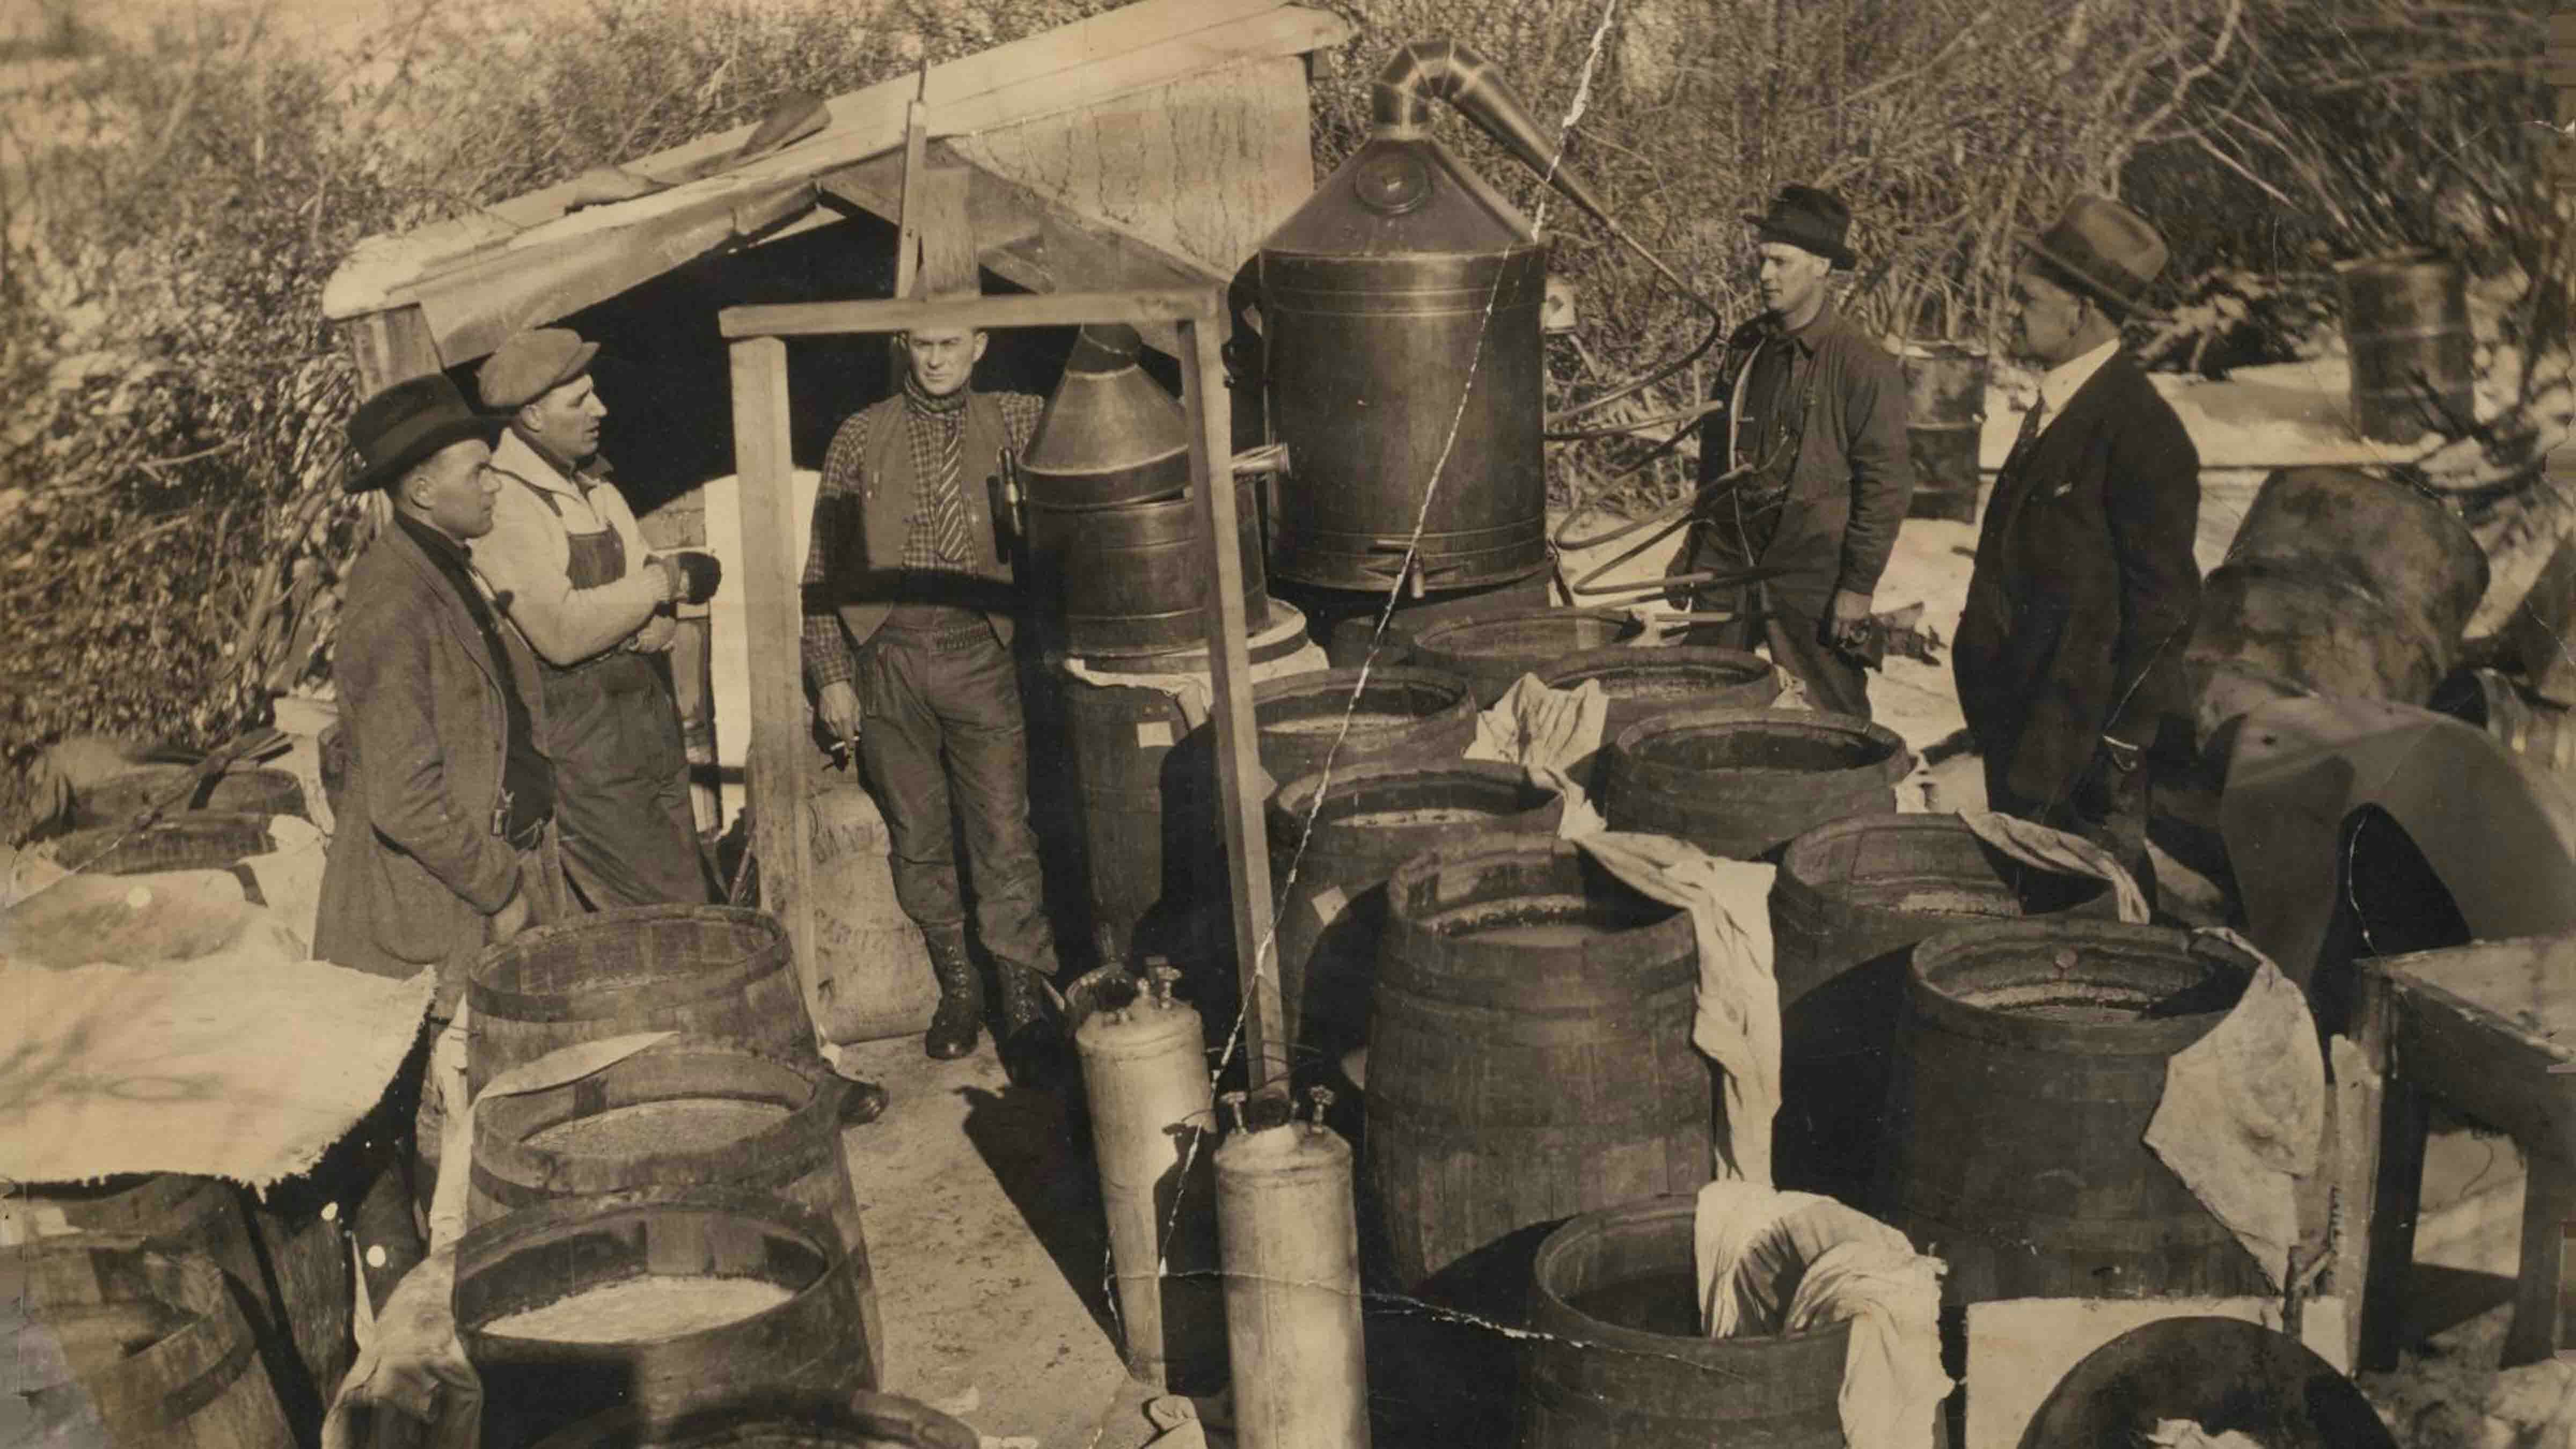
(2085, 586)
(446, 842)
(598, 608)
(1803, 465)
(909, 604)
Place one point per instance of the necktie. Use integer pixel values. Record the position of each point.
(947, 499)
(2031, 423)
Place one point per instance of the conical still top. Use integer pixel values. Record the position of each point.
(1110, 435)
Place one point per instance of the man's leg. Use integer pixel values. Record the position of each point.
(988, 763)
(899, 749)
(1834, 684)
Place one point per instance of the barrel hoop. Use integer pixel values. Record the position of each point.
(1394, 1115)
(183, 1402)
(1579, 1023)
(1938, 1219)
(611, 1003)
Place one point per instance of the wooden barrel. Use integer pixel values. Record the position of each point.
(1492, 648)
(669, 1301)
(2032, 1056)
(1644, 682)
(1743, 783)
(1945, 390)
(285, 1267)
(691, 1112)
(1147, 855)
(115, 1344)
(2414, 360)
(718, 971)
(1529, 1051)
(1308, 721)
(1347, 622)
(780, 1420)
(115, 801)
(2540, 732)
(1851, 900)
(1616, 1359)
(1129, 578)
(203, 840)
(1333, 842)
(2338, 582)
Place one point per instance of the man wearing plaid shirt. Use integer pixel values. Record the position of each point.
(908, 606)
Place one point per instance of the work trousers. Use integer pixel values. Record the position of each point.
(945, 749)
(1834, 683)
(630, 836)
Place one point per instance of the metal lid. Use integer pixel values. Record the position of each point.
(1107, 416)
(1403, 196)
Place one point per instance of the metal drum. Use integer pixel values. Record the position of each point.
(1400, 311)
(2414, 362)
(1945, 390)
(1133, 579)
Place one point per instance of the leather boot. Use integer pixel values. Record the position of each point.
(960, 1019)
(1031, 1039)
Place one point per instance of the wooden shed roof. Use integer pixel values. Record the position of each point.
(529, 260)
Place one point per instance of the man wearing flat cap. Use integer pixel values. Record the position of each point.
(446, 841)
(909, 605)
(2085, 586)
(1803, 466)
(599, 611)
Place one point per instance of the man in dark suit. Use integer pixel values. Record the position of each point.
(447, 840)
(2068, 652)
(907, 642)
(1812, 428)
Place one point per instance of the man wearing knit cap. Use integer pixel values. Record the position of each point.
(907, 641)
(598, 609)
(2085, 586)
(1803, 467)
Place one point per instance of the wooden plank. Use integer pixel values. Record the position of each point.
(907, 256)
(778, 763)
(2384, 1226)
(1137, 45)
(2548, 1203)
(1060, 309)
(947, 235)
(1238, 741)
(2474, 1061)
(390, 347)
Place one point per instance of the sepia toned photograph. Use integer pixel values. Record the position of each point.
(1229, 724)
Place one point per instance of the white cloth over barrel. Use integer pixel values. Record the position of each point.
(290, 876)
(1772, 1263)
(2244, 1112)
(1545, 731)
(2035, 844)
(1737, 1022)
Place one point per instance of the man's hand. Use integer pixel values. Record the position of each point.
(508, 921)
(1847, 621)
(698, 573)
(839, 707)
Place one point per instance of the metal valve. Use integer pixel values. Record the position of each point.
(1162, 979)
(1322, 1098)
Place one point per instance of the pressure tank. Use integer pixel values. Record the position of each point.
(1153, 1117)
(1402, 364)
(1292, 1284)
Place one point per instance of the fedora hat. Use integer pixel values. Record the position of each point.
(407, 422)
(531, 364)
(2104, 250)
(1809, 219)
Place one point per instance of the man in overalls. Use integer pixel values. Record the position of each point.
(1814, 417)
(909, 608)
(597, 608)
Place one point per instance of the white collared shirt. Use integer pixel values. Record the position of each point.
(2059, 385)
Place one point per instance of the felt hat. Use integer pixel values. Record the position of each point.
(1809, 219)
(532, 364)
(408, 422)
(2104, 250)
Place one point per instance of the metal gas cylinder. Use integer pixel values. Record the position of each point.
(1400, 312)
(1292, 1283)
(1153, 1113)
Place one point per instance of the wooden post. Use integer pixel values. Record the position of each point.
(2382, 1230)
(777, 784)
(2548, 1202)
(1238, 753)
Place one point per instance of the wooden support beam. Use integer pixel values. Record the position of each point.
(1238, 740)
(948, 253)
(779, 763)
(916, 140)
(1059, 309)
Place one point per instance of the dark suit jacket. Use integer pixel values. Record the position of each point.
(415, 867)
(2084, 588)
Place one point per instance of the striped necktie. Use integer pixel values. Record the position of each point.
(949, 531)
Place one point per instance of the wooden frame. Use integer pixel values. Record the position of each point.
(780, 760)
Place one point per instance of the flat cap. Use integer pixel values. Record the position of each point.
(532, 364)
